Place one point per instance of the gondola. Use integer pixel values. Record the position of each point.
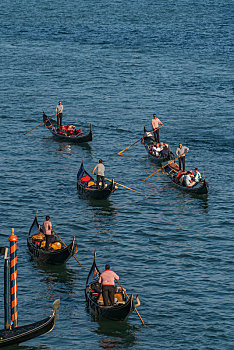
(172, 169)
(148, 141)
(30, 331)
(119, 311)
(57, 254)
(87, 188)
(76, 137)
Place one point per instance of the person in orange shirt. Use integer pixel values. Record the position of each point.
(155, 125)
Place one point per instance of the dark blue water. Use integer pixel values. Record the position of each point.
(114, 65)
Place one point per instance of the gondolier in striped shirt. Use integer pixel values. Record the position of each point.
(107, 280)
(155, 125)
(59, 113)
(180, 152)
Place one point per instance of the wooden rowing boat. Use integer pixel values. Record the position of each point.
(87, 188)
(172, 169)
(119, 311)
(30, 331)
(148, 141)
(57, 253)
(77, 137)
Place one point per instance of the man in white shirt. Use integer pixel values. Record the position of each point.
(187, 179)
(100, 173)
(59, 113)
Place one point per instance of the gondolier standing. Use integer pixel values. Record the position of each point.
(107, 280)
(155, 125)
(100, 173)
(180, 152)
(48, 232)
(59, 113)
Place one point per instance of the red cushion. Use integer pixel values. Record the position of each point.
(85, 179)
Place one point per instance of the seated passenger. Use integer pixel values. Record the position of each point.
(197, 176)
(164, 153)
(187, 181)
(181, 179)
(178, 176)
(161, 146)
(155, 151)
(63, 130)
(158, 149)
(150, 147)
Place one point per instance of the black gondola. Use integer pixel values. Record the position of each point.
(30, 331)
(119, 311)
(57, 254)
(148, 141)
(87, 188)
(76, 137)
(172, 169)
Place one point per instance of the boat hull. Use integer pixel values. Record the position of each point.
(51, 124)
(199, 188)
(92, 192)
(50, 257)
(117, 312)
(114, 313)
(27, 332)
(149, 140)
(41, 255)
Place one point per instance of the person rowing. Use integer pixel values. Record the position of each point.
(100, 173)
(59, 113)
(107, 280)
(180, 152)
(48, 232)
(155, 125)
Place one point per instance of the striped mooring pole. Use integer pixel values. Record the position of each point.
(13, 279)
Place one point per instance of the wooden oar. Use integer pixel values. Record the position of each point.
(128, 298)
(172, 161)
(39, 125)
(128, 188)
(157, 128)
(130, 145)
(136, 142)
(66, 246)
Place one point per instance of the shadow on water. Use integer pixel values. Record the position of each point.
(202, 200)
(53, 274)
(66, 146)
(102, 207)
(114, 334)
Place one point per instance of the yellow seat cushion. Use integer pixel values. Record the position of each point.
(56, 245)
(119, 296)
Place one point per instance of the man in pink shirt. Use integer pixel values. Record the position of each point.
(107, 279)
(155, 125)
(47, 230)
